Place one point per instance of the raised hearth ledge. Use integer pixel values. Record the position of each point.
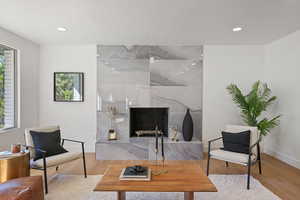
(142, 148)
(144, 139)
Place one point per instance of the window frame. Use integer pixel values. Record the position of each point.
(80, 74)
(15, 92)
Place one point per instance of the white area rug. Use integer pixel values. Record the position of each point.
(233, 187)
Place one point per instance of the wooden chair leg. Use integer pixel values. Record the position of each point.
(227, 164)
(188, 195)
(121, 195)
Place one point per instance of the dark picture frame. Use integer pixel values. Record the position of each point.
(68, 87)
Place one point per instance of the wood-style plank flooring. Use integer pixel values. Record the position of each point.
(280, 178)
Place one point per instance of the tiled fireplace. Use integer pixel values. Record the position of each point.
(140, 87)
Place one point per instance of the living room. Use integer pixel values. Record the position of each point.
(147, 85)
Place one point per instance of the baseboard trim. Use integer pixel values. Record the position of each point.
(283, 157)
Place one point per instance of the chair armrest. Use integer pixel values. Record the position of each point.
(250, 151)
(76, 141)
(253, 145)
(40, 150)
(211, 141)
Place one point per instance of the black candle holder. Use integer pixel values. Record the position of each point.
(160, 171)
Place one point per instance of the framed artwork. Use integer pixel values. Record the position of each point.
(68, 86)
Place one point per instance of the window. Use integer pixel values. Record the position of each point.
(7, 87)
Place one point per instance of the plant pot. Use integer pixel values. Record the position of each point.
(187, 126)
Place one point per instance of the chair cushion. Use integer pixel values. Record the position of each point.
(239, 158)
(49, 142)
(57, 159)
(254, 135)
(28, 138)
(236, 142)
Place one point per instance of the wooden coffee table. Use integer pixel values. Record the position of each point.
(182, 176)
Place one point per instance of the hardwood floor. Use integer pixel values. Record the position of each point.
(282, 179)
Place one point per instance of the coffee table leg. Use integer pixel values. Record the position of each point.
(188, 195)
(121, 195)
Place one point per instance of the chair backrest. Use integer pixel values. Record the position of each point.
(254, 133)
(28, 138)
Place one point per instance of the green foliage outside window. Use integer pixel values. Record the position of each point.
(2, 65)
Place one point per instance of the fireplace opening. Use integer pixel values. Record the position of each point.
(144, 120)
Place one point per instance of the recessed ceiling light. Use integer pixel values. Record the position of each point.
(237, 29)
(61, 29)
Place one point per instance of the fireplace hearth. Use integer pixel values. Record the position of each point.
(143, 121)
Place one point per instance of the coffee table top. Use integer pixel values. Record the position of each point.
(181, 177)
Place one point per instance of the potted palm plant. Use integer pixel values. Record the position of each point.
(253, 105)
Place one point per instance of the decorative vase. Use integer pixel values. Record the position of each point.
(187, 126)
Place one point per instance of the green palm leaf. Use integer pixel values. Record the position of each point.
(254, 104)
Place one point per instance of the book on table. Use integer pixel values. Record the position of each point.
(136, 173)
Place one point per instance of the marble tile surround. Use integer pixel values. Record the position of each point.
(125, 79)
(144, 149)
(148, 76)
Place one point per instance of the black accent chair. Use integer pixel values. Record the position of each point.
(51, 161)
(248, 160)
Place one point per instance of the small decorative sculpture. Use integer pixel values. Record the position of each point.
(112, 134)
(174, 136)
(112, 112)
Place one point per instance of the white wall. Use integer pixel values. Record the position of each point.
(28, 86)
(77, 120)
(276, 64)
(223, 65)
(282, 72)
